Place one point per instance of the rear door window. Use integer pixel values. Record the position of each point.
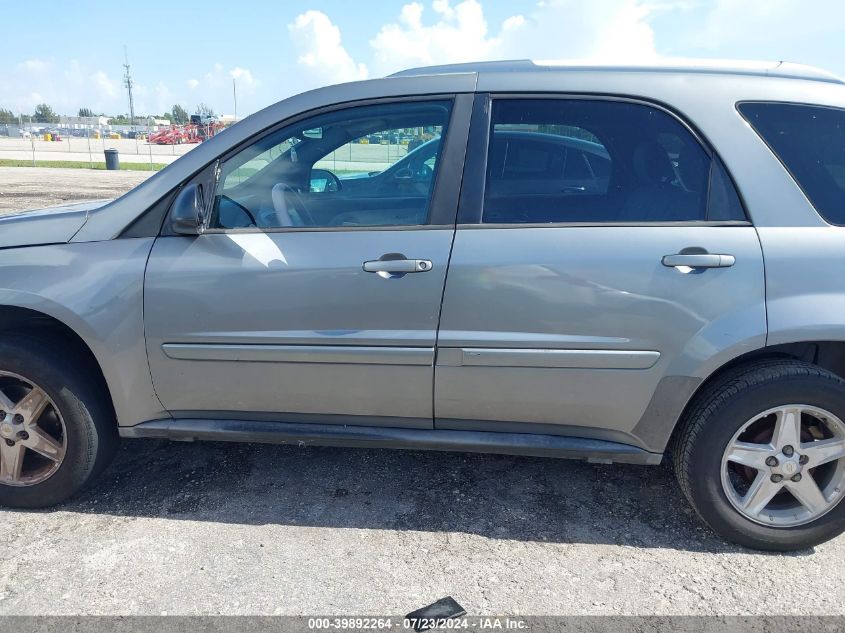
(810, 142)
(578, 160)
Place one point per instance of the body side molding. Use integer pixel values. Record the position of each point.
(351, 354)
(553, 358)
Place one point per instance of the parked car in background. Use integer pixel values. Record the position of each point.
(641, 262)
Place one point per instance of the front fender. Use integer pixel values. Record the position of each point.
(95, 289)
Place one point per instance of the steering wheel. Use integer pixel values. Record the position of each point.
(301, 206)
(333, 183)
(425, 172)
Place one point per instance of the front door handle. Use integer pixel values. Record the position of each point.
(699, 260)
(397, 267)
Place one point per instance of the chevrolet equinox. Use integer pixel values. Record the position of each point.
(530, 258)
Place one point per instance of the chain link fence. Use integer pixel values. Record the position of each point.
(84, 145)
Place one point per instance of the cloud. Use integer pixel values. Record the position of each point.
(64, 85)
(422, 32)
(219, 76)
(242, 75)
(36, 65)
(444, 31)
(103, 86)
(607, 30)
(459, 33)
(321, 52)
(163, 99)
(759, 22)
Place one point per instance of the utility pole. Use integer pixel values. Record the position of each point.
(235, 97)
(127, 81)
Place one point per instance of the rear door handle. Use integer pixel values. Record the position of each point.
(397, 266)
(699, 260)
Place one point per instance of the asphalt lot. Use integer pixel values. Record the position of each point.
(249, 529)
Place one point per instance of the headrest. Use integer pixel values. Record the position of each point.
(692, 167)
(651, 165)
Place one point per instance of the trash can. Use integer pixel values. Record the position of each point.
(112, 159)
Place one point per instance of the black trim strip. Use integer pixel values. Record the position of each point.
(601, 451)
(475, 166)
(552, 225)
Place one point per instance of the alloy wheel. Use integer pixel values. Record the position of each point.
(33, 438)
(786, 466)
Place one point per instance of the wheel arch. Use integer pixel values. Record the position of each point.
(828, 354)
(17, 319)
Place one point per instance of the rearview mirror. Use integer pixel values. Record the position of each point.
(186, 213)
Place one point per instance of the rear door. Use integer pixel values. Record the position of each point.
(314, 293)
(571, 302)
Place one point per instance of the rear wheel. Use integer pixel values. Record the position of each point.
(57, 428)
(761, 455)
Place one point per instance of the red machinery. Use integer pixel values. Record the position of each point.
(174, 135)
(178, 134)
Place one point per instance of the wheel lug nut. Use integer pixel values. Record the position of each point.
(797, 477)
(18, 418)
(788, 450)
(771, 461)
(23, 435)
(777, 479)
(803, 459)
(10, 442)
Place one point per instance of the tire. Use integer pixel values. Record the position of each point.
(713, 420)
(89, 432)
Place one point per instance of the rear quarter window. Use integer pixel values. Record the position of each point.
(810, 142)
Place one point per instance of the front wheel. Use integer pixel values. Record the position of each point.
(57, 428)
(761, 455)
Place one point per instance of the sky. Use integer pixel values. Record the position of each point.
(189, 52)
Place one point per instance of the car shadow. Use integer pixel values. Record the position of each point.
(495, 496)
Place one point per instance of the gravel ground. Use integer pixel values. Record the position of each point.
(34, 187)
(248, 529)
(237, 529)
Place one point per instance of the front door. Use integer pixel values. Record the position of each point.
(314, 294)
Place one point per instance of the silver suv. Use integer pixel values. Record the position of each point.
(603, 263)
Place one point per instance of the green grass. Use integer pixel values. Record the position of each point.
(79, 164)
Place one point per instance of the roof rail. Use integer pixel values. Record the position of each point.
(785, 70)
